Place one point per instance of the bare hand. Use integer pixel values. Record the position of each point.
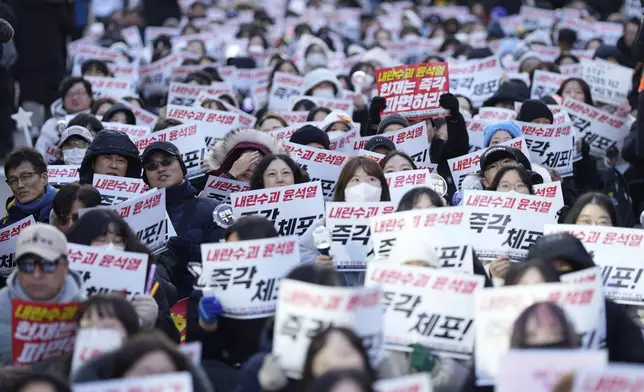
(359, 101)
(500, 266)
(246, 162)
(324, 260)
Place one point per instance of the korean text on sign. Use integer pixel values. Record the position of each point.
(305, 310)
(413, 91)
(550, 145)
(477, 80)
(321, 165)
(62, 174)
(220, 188)
(115, 190)
(8, 240)
(41, 331)
(245, 276)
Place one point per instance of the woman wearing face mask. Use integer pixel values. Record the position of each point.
(512, 179)
(336, 124)
(316, 55)
(276, 171)
(73, 145)
(322, 83)
(145, 355)
(102, 228)
(593, 209)
(361, 181)
(543, 325)
(68, 201)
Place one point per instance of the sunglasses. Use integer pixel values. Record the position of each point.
(165, 162)
(27, 264)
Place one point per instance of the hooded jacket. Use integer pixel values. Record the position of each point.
(120, 108)
(109, 142)
(227, 150)
(71, 291)
(624, 338)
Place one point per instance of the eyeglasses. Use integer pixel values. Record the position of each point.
(24, 177)
(28, 263)
(165, 162)
(519, 187)
(75, 143)
(63, 220)
(77, 94)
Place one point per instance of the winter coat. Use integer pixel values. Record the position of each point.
(100, 369)
(71, 291)
(457, 144)
(40, 209)
(49, 136)
(109, 142)
(165, 300)
(227, 150)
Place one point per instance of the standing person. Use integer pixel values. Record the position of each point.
(26, 173)
(42, 274)
(191, 216)
(110, 153)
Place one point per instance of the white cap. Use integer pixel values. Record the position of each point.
(410, 247)
(334, 117)
(42, 240)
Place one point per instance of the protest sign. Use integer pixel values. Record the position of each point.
(600, 129)
(218, 123)
(155, 77)
(617, 251)
(133, 131)
(62, 174)
(420, 382)
(83, 52)
(129, 72)
(115, 190)
(442, 228)
(541, 370)
(537, 18)
(614, 376)
(413, 91)
(295, 117)
(193, 351)
(292, 209)
(550, 145)
(190, 141)
(146, 216)
(497, 308)
(343, 105)
(506, 223)
(551, 190)
(411, 140)
(245, 276)
(343, 142)
(168, 382)
(105, 271)
(245, 79)
(284, 87)
(351, 232)
(321, 165)
(546, 53)
(432, 307)
(475, 130)
(220, 188)
(461, 166)
(41, 331)
(546, 83)
(245, 120)
(110, 87)
(8, 241)
(487, 72)
(183, 94)
(492, 114)
(402, 182)
(143, 117)
(371, 155)
(92, 342)
(610, 82)
(305, 310)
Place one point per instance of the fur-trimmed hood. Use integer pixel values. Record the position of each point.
(227, 150)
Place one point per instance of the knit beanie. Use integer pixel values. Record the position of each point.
(509, 126)
(391, 119)
(533, 109)
(310, 134)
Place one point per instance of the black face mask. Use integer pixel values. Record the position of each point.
(561, 344)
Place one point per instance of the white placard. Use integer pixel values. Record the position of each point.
(402, 182)
(546, 83)
(551, 190)
(475, 130)
(62, 174)
(115, 190)
(305, 309)
(432, 307)
(192, 350)
(92, 342)
(245, 276)
(497, 309)
(245, 120)
(8, 241)
(321, 165)
(184, 94)
(220, 188)
(506, 223)
(477, 80)
(135, 132)
(350, 231)
(610, 83)
(111, 87)
(344, 142)
(284, 87)
(343, 105)
(218, 123)
(420, 382)
(143, 117)
(129, 72)
(411, 140)
(169, 382)
(493, 114)
(155, 77)
(550, 145)
(295, 117)
(623, 377)
(292, 209)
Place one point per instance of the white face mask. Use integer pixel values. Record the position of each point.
(74, 156)
(110, 246)
(256, 49)
(323, 93)
(335, 134)
(317, 60)
(362, 192)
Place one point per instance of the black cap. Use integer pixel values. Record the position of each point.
(165, 147)
(311, 134)
(379, 141)
(562, 246)
(495, 154)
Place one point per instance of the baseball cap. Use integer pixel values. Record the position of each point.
(75, 130)
(495, 154)
(166, 147)
(379, 141)
(41, 240)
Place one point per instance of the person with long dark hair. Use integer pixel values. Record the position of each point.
(277, 170)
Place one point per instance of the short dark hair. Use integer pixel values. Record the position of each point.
(315, 110)
(252, 227)
(370, 167)
(95, 63)
(306, 103)
(25, 154)
(220, 106)
(100, 102)
(165, 124)
(202, 78)
(68, 83)
(328, 381)
(66, 195)
(518, 337)
(568, 36)
(31, 376)
(257, 179)
(88, 121)
(525, 177)
(517, 270)
(596, 198)
(396, 153)
(410, 198)
(111, 305)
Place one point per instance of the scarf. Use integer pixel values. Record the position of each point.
(38, 204)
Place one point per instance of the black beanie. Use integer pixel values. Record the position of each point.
(533, 109)
(310, 134)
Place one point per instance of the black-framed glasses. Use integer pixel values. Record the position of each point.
(27, 264)
(165, 162)
(24, 177)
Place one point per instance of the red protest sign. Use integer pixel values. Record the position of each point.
(42, 331)
(413, 91)
(179, 313)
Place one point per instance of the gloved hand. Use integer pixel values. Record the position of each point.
(182, 249)
(209, 310)
(449, 102)
(271, 377)
(421, 358)
(378, 104)
(147, 309)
